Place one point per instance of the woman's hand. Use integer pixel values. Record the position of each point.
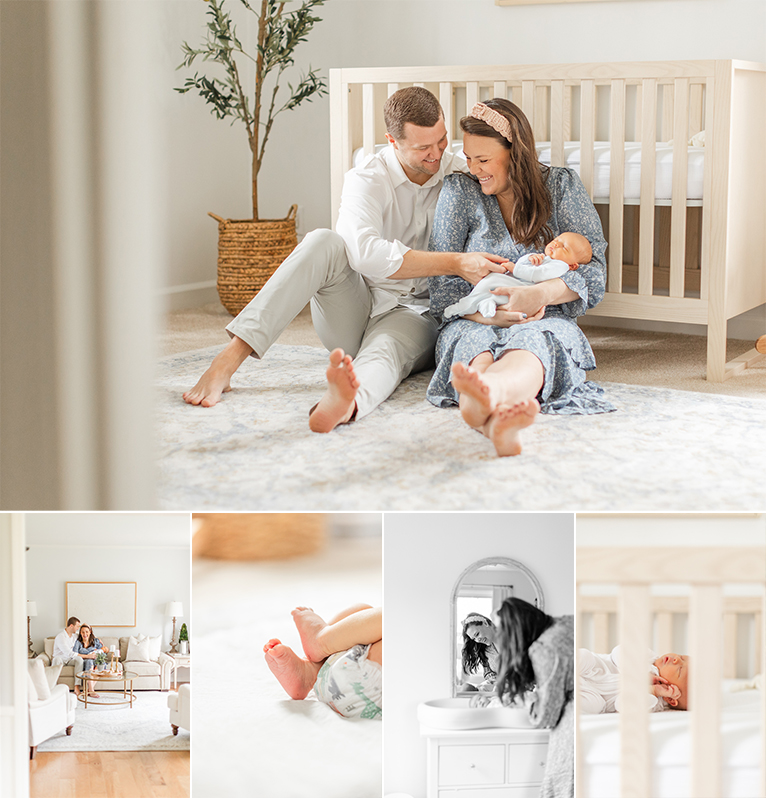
(504, 318)
(522, 299)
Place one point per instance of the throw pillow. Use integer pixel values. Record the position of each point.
(138, 650)
(37, 674)
(31, 689)
(155, 646)
(52, 674)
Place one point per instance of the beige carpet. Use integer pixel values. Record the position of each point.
(662, 360)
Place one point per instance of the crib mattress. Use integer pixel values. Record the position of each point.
(601, 168)
(671, 747)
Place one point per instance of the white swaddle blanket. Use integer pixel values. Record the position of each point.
(482, 300)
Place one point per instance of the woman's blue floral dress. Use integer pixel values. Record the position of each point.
(467, 220)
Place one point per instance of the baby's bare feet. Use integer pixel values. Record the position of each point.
(310, 627)
(475, 402)
(339, 400)
(296, 675)
(505, 424)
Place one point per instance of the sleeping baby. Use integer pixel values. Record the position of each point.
(565, 253)
(599, 681)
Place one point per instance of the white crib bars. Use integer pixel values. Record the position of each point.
(706, 570)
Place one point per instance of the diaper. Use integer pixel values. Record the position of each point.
(351, 685)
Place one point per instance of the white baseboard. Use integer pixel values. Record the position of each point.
(189, 295)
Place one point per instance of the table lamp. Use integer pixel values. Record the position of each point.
(174, 609)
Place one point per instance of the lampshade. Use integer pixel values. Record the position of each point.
(174, 609)
(31, 609)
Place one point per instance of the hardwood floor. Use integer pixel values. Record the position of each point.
(110, 774)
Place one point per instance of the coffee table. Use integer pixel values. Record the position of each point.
(107, 678)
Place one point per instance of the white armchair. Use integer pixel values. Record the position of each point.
(180, 708)
(51, 706)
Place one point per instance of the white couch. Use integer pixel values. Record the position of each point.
(153, 675)
(180, 708)
(51, 710)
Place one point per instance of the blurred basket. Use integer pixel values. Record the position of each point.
(249, 252)
(257, 536)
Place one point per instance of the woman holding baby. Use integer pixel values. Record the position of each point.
(530, 355)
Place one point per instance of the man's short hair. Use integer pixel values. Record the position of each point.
(415, 105)
(72, 621)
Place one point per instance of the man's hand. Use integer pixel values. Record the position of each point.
(473, 266)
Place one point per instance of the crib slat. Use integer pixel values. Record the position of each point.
(664, 632)
(639, 111)
(635, 768)
(368, 118)
(707, 192)
(695, 109)
(705, 690)
(729, 645)
(678, 206)
(616, 185)
(567, 126)
(528, 100)
(471, 95)
(446, 98)
(557, 123)
(601, 632)
(587, 132)
(340, 152)
(500, 89)
(391, 88)
(648, 176)
(540, 128)
(667, 112)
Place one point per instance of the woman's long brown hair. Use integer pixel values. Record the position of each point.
(531, 206)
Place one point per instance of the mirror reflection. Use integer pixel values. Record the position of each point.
(477, 595)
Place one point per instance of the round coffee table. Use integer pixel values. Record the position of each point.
(104, 678)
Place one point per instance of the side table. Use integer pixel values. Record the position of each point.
(179, 661)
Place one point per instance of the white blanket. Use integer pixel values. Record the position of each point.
(250, 739)
(671, 747)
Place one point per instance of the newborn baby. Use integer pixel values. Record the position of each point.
(599, 681)
(565, 253)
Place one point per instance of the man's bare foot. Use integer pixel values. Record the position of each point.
(296, 675)
(217, 379)
(310, 627)
(339, 401)
(505, 424)
(476, 404)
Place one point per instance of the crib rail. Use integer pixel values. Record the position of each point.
(668, 260)
(706, 570)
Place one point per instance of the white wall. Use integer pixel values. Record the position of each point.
(207, 161)
(151, 550)
(423, 556)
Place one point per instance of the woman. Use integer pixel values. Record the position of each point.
(479, 652)
(87, 646)
(532, 354)
(537, 653)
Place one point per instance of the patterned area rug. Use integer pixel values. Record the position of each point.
(143, 727)
(661, 450)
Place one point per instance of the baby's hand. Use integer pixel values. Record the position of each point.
(666, 691)
(536, 259)
(509, 267)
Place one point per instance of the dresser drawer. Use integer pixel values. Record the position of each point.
(530, 791)
(471, 764)
(526, 763)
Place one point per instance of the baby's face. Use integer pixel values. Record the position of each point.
(675, 668)
(572, 248)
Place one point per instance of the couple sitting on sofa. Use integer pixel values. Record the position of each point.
(77, 645)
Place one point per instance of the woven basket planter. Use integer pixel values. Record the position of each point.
(257, 536)
(249, 253)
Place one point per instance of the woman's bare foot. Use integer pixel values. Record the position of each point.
(476, 404)
(216, 380)
(505, 424)
(296, 675)
(310, 627)
(339, 401)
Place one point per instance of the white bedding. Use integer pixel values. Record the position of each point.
(601, 158)
(250, 739)
(670, 735)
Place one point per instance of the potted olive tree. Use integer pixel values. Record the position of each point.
(250, 250)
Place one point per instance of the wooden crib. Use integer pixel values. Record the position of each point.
(674, 259)
(712, 628)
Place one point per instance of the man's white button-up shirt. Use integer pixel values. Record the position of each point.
(383, 215)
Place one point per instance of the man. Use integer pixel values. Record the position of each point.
(367, 282)
(62, 650)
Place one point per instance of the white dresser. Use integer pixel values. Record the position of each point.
(485, 763)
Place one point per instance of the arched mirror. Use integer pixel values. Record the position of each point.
(476, 597)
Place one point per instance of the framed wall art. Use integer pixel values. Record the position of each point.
(102, 603)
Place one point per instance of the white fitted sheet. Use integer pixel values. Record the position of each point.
(601, 168)
(250, 739)
(670, 741)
